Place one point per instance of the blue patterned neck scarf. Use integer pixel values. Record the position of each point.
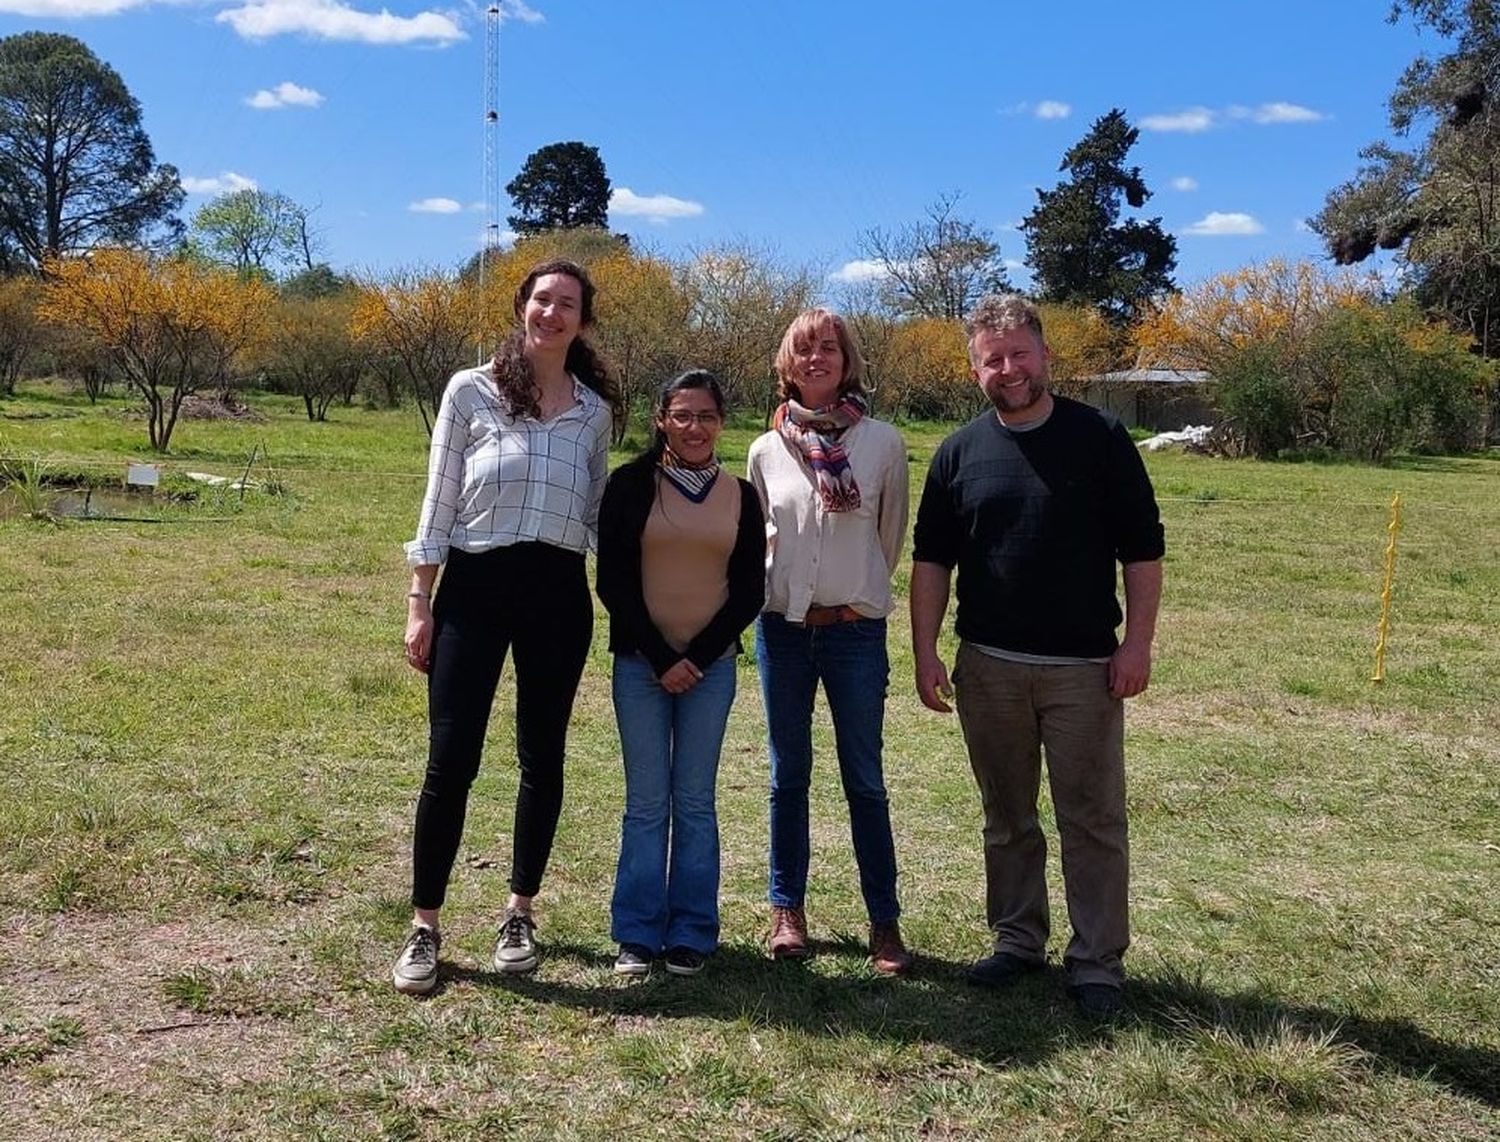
(694, 481)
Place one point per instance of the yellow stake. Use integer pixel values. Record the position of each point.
(1385, 591)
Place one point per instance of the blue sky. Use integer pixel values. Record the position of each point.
(788, 126)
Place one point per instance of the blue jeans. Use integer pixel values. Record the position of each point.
(850, 660)
(667, 883)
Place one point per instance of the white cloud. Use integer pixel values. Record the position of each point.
(436, 206)
(652, 207)
(284, 95)
(1278, 113)
(1013, 263)
(1196, 119)
(517, 10)
(1184, 183)
(335, 20)
(226, 183)
(860, 270)
(1217, 224)
(1192, 120)
(1053, 109)
(67, 9)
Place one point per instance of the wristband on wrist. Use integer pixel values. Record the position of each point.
(419, 595)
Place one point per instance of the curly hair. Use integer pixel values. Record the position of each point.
(1000, 313)
(513, 375)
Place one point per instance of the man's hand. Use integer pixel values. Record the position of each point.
(1129, 669)
(932, 684)
(680, 677)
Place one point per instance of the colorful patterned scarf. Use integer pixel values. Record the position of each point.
(818, 435)
(694, 481)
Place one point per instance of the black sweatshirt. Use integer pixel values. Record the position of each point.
(1035, 521)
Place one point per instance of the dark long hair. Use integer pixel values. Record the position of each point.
(683, 382)
(513, 375)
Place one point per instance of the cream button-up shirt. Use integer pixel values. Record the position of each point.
(827, 559)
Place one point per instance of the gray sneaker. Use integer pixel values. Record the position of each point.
(416, 968)
(515, 949)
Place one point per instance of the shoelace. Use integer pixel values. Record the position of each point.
(514, 931)
(423, 946)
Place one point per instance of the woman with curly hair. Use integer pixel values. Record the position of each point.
(833, 481)
(520, 452)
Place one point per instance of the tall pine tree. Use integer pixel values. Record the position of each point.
(1078, 249)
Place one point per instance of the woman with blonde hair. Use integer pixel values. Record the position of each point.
(834, 485)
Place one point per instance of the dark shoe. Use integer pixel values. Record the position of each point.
(515, 949)
(416, 969)
(888, 955)
(1001, 969)
(685, 961)
(788, 940)
(1097, 1000)
(634, 959)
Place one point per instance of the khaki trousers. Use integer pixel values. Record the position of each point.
(1011, 712)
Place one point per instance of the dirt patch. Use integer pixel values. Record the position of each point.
(219, 408)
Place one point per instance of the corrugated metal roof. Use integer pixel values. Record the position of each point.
(1152, 377)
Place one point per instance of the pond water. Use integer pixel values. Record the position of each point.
(84, 503)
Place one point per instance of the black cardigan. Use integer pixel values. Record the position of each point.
(628, 497)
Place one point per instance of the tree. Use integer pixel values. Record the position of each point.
(643, 321)
(255, 231)
(1078, 249)
(937, 267)
(1436, 204)
(311, 350)
(740, 302)
(176, 327)
(561, 185)
(20, 332)
(921, 368)
(419, 329)
(76, 167)
(316, 281)
(1275, 302)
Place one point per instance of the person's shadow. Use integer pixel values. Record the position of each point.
(1019, 1026)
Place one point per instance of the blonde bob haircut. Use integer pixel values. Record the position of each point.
(806, 327)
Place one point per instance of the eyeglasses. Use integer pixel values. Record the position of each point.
(679, 418)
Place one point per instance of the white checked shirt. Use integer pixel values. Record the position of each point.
(494, 479)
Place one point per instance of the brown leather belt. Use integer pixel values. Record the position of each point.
(827, 616)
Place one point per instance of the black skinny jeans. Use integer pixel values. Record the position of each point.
(533, 598)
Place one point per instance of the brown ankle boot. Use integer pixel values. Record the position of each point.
(788, 939)
(888, 955)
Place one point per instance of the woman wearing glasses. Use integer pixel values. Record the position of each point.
(833, 482)
(682, 573)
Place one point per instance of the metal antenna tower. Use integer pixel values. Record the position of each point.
(491, 243)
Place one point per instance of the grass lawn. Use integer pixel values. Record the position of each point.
(211, 749)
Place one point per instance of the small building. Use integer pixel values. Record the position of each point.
(1163, 400)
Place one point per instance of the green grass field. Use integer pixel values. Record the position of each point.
(211, 749)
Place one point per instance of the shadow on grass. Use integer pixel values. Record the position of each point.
(1022, 1025)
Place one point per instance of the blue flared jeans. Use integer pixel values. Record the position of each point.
(850, 660)
(667, 884)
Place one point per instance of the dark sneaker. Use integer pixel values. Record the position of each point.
(416, 968)
(515, 949)
(685, 961)
(788, 939)
(634, 959)
(888, 955)
(1097, 1000)
(1001, 969)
